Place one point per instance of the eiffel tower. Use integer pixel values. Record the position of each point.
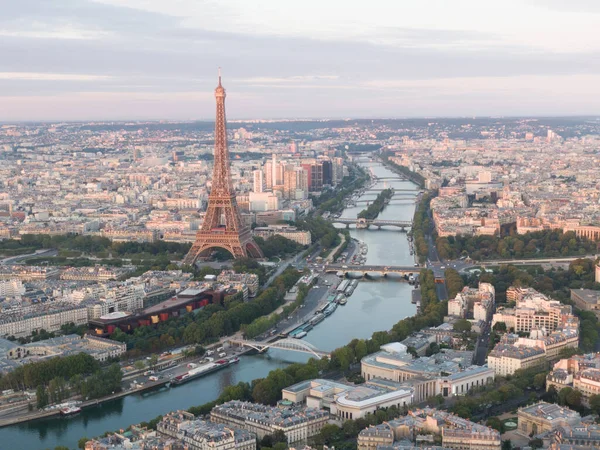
(222, 226)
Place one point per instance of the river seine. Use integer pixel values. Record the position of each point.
(374, 306)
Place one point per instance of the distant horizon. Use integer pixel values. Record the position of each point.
(304, 119)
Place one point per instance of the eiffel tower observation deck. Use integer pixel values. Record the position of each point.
(222, 226)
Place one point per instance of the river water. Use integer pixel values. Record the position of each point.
(374, 306)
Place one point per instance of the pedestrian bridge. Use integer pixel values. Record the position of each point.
(291, 344)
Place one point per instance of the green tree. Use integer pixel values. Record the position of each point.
(594, 402)
(500, 327)
(462, 325)
(330, 433)
(360, 350)
(573, 399)
(539, 380)
(350, 429)
(563, 394)
(153, 361)
(41, 396)
(495, 423)
(139, 364)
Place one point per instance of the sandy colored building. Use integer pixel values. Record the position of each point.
(542, 417)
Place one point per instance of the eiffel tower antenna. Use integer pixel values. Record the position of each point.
(222, 226)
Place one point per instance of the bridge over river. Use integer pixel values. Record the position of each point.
(367, 223)
(372, 269)
(291, 344)
(393, 201)
(395, 191)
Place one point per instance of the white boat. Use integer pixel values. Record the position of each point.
(70, 410)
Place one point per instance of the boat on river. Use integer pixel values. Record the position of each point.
(331, 307)
(70, 410)
(201, 371)
(318, 318)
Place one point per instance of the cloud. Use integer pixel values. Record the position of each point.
(32, 76)
(585, 6)
(162, 51)
(295, 79)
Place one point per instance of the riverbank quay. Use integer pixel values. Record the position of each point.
(87, 404)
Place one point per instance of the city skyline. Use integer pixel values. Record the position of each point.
(144, 60)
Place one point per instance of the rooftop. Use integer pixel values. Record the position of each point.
(550, 411)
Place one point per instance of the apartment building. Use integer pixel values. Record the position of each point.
(478, 302)
(28, 273)
(200, 434)
(506, 359)
(97, 273)
(298, 423)
(581, 372)
(128, 296)
(533, 310)
(11, 288)
(49, 316)
(456, 433)
(249, 280)
(288, 232)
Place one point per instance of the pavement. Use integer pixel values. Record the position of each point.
(516, 438)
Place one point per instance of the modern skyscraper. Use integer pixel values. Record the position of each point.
(295, 185)
(259, 181)
(269, 175)
(290, 183)
(314, 171)
(222, 226)
(274, 170)
(327, 172)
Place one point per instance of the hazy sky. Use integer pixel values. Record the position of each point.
(158, 59)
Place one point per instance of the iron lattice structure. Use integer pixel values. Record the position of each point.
(222, 226)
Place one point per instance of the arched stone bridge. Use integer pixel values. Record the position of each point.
(367, 223)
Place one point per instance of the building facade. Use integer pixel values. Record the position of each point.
(542, 417)
(200, 434)
(297, 423)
